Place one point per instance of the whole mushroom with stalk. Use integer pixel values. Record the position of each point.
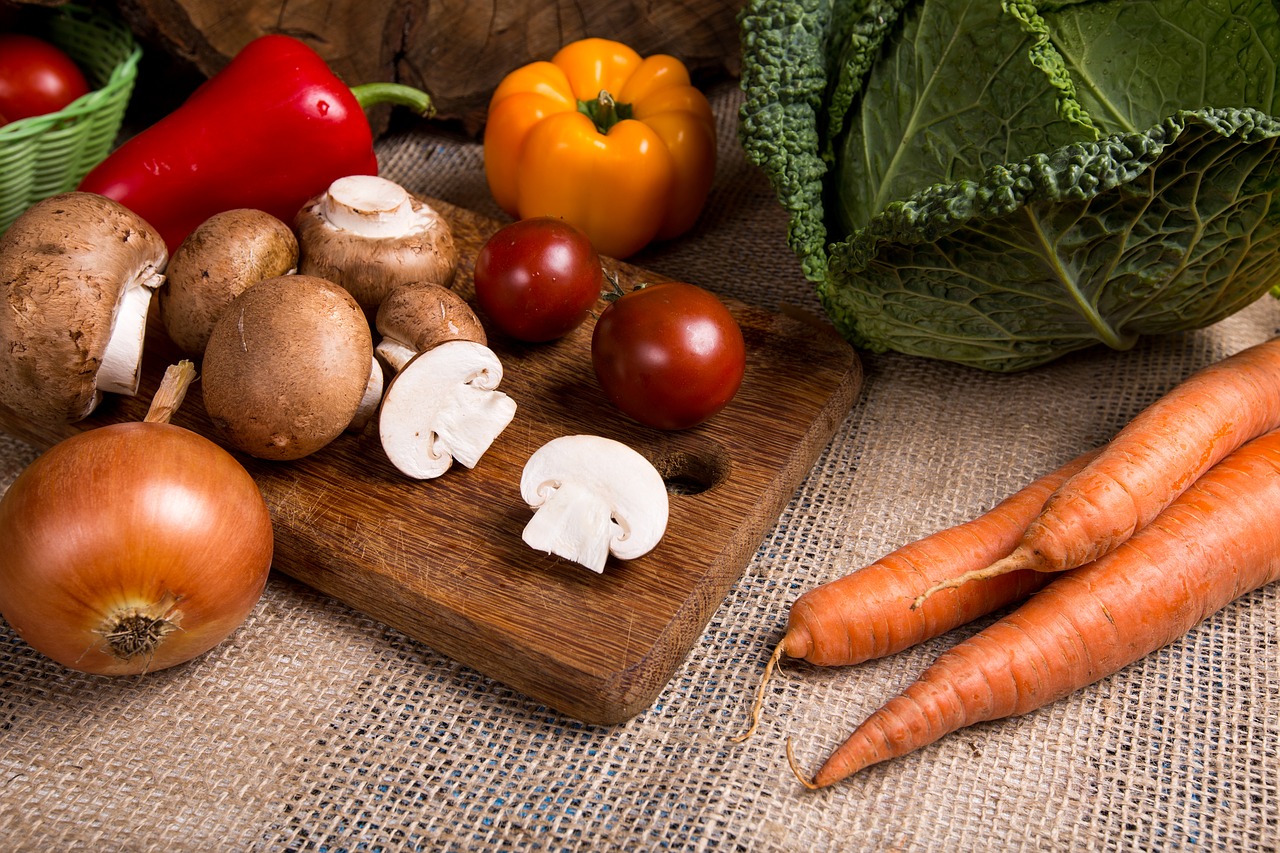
(369, 234)
(442, 403)
(289, 367)
(417, 316)
(217, 262)
(77, 271)
(593, 496)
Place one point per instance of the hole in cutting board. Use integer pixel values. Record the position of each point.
(692, 471)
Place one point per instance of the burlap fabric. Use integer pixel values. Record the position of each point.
(317, 728)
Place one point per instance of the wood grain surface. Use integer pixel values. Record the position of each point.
(443, 562)
(456, 50)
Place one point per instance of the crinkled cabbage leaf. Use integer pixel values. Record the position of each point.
(998, 184)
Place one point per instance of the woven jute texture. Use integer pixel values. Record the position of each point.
(315, 727)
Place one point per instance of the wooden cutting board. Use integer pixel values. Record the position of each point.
(442, 560)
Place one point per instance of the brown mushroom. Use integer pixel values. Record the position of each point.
(416, 317)
(288, 366)
(369, 235)
(77, 271)
(442, 401)
(215, 263)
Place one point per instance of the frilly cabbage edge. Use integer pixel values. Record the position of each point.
(999, 184)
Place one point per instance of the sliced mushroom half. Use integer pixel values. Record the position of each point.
(592, 497)
(444, 405)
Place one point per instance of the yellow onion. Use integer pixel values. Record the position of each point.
(132, 547)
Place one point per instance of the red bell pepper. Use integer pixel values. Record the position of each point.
(270, 130)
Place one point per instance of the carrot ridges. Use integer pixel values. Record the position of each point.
(868, 614)
(1146, 465)
(1216, 542)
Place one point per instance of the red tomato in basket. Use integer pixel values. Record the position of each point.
(36, 77)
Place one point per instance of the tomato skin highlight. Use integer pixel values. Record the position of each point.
(668, 355)
(537, 279)
(36, 77)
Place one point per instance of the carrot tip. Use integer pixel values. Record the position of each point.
(795, 768)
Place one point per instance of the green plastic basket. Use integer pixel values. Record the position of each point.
(44, 155)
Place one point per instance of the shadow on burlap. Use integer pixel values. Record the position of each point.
(317, 728)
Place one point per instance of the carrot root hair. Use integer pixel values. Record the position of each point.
(757, 705)
(795, 768)
(1020, 560)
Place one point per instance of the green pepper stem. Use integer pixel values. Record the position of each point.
(604, 111)
(372, 94)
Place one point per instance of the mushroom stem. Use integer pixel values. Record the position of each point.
(475, 417)
(120, 369)
(369, 206)
(394, 353)
(371, 400)
(574, 523)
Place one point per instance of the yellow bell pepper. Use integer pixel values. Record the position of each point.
(620, 146)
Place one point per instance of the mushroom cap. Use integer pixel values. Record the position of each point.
(607, 485)
(64, 264)
(286, 366)
(422, 314)
(370, 266)
(215, 263)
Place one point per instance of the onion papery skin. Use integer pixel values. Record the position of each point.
(141, 518)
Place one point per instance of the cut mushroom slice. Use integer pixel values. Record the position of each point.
(369, 235)
(443, 406)
(592, 497)
(77, 272)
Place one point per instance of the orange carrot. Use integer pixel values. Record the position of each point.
(1161, 452)
(867, 614)
(1216, 542)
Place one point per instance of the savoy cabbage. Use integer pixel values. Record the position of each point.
(999, 183)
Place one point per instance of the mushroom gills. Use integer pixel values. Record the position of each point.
(120, 370)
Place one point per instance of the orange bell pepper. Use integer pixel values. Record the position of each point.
(620, 146)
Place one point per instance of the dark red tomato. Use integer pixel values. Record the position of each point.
(669, 355)
(537, 279)
(36, 77)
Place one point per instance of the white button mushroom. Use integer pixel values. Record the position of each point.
(288, 366)
(369, 234)
(444, 405)
(77, 271)
(593, 496)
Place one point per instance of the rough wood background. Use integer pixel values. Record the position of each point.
(456, 50)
